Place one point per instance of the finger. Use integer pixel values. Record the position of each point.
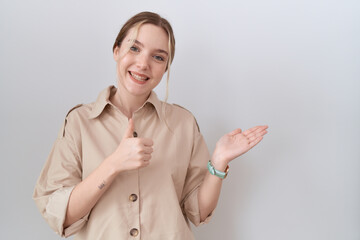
(142, 164)
(130, 129)
(147, 142)
(261, 131)
(234, 132)
(253, 137)
(255, 129)
(256, 134)
(145, 163)
(256, 141)
(146, 157)
(250, 130)
(147, 150)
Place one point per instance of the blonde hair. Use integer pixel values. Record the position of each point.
(155, 19)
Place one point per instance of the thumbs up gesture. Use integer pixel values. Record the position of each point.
(132, 153)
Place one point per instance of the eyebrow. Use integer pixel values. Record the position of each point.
(142, 45)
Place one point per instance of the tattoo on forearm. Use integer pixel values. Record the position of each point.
(102, 185)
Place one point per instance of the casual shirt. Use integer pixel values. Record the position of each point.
(154, 202)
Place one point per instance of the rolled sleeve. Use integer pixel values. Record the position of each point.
(194, 178)
(191, 207)
(61, 173)
(55, 213)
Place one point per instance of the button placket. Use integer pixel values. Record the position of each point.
(134, 201)
(133, 207)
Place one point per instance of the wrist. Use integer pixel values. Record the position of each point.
(218, 163)
(110, 164)
(217, 172)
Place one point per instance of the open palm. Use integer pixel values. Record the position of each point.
(236, 143)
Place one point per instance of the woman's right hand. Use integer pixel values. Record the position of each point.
(132, 153)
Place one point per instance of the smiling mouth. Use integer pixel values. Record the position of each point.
(138, 77)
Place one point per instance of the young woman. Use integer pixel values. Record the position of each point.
(129, 166)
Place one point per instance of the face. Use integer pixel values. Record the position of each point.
(141, 68)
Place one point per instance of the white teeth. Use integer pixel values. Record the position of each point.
(137, 77)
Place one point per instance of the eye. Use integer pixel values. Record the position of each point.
(134, 49)
(159, 58)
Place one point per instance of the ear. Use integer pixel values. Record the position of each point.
(116, 54)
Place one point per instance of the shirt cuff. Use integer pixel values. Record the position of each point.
(191, 207)
(56, 213)
(76, 226)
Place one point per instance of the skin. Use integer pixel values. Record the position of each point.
(139, 71)
(147, 56)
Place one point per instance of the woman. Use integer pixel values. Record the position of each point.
(128, 165)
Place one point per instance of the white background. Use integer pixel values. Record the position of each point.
(294, 65)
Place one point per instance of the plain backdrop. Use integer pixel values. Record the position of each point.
(294, 65)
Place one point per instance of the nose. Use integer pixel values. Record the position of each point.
(142, 61)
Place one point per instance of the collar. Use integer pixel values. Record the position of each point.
(103, 100)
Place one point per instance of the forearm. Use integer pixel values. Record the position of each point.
(229, 147)
(209, 193)
(86, 194)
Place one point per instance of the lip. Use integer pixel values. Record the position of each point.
(138, 81)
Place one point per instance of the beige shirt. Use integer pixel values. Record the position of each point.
(154, 202)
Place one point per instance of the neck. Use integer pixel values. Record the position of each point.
(126, 102)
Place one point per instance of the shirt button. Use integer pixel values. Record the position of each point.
(135, 134)
(134, 232)
(133, 197)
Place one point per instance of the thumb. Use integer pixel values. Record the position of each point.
(129, 130)
(234, 132)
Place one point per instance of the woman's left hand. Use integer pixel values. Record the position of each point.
(236, 143)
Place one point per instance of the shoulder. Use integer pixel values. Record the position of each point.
(180, 110)
(75, 117)
(80, 111)
(180, 115)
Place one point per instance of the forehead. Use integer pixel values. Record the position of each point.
(150, 36)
